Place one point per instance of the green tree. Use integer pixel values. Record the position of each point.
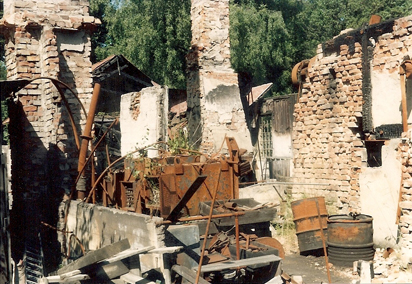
(260, 44)
(153, 34)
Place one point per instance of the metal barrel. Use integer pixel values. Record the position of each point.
(306, 219)
(350, 238)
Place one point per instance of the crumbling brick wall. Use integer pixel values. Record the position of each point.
(45, 39)
(213, 98)
(350, 97)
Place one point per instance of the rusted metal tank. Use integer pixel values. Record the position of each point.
(306, 214)
(350, 238)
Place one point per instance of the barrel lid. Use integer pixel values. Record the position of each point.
(350, 218)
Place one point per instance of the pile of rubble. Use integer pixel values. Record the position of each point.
(388, 267)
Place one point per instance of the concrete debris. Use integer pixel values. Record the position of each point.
(387, 268)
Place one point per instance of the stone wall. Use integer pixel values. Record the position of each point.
(213, 98)
(45, 39)
(350, 106)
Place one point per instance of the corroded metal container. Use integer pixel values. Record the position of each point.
(350, 238)
(306, 213)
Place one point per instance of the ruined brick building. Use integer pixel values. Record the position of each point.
(348, 131)
(45, 39)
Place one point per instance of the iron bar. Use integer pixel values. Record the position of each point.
(209, 220)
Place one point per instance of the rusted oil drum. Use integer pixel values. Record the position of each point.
(350, 238)
(306, 219)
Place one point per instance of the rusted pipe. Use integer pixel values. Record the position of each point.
(81, 188)
(209, 220)
(237, 237)
(403, 99)
(323, 241)
(76, 136)
(197, 218)
(95, 148)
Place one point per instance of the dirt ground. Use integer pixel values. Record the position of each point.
(312, 269)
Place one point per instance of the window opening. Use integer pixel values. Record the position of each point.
(374, 151)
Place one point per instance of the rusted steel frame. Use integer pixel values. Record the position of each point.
(197, 218)
(95, 148)
(115, 162)
(209, 220)
(185, 198)
(237, 238)
(323, 241)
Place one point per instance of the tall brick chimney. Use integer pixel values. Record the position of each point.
(213, 96)
(45, 38)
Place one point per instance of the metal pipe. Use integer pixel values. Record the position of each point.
(286, 183)
(81, 189)
(76, 136)
(197, 218)
(95, 148)
(237, 237)
(202, 254)
(323, 241)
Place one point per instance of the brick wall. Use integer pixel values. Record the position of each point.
(213, 97)
(351, 92)
(45, 39)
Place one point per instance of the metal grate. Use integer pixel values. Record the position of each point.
(266, 146)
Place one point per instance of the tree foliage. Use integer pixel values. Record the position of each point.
(260, 44)
(152, 34)
(267, 36)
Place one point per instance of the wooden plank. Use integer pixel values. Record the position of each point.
(133, 278)
(236, 264)
(96, 256)
(188, 274)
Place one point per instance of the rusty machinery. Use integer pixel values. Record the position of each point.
(174, 185)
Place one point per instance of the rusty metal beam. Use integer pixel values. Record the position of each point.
(186, 197)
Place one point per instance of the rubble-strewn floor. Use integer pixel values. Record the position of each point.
(313, 270)
(390, 270)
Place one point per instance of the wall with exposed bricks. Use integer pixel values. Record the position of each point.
(214, 107)
(46, 39)
(350, 100)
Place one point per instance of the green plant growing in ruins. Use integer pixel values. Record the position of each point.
(179, 142)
